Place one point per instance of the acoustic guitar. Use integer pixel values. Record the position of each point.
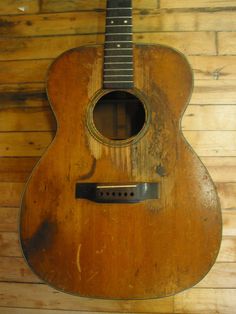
(120, 206)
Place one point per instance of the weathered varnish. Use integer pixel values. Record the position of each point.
(152, 249)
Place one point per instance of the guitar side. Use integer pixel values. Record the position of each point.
(154, 248)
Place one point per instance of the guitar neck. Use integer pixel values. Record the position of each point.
(118, 51)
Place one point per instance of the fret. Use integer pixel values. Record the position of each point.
(118, 71)
(119, 3)
(118, 66)
(119, 8)
(118, 82)
(115, 49)
(119, 78)
(118, 48)
(119, 44)
(114, 85)
(121, 34)
(119, 30)
(118, 51)
(116, 18)
(118, 38)
(113, 73)
(119, 26)
(112, 57)
(117, 63)
(119, 59)
(119, 12)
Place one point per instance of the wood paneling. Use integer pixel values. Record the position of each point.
(32, 144)
(19, 6)
(227, 43)
(43, 296)
(219, 92)
(214, 67)
(229, 192)
(32, 34)
(204, 67)
(222, 169)
(10, 193)
(144, 21)
(210, 301)
(9, 219)
(68, 5)
(51, 47)
(219, 118)
(170, 4)
(16, 169)
(28, 144)
(30, 119)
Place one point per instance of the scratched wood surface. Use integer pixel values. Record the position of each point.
(32, 34)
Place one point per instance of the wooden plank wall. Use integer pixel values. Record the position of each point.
(33, 33)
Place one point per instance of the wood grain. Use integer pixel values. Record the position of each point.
(207, 143)
(9, 244)
(44, 297)
(16, 169)
(23, 71)
(15, 269)
(206, 92)
(10, 193)
(219, 118)
(229, 222)
(51, 47)
(27, 119)
(214, 67)
(106, 283)
(218, 301)
(144, 21)
(226, 193)
(9, 219)
(204, 67)
(219, 92)
(17, 144)
(19, 7)
(222, 169)
(11, 310)
(170, 4)
(227, 44)
(10, 247)
(227, 252)
(33, 144)
(68, 5)
(229, 191)
(21, 86)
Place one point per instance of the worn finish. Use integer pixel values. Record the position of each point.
(152, 249)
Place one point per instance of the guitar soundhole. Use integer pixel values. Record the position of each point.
(119, 115)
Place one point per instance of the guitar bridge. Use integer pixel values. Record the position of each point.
(117, 193)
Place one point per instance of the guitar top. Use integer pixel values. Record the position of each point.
(120, 206)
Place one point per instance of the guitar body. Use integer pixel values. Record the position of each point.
(153, 248)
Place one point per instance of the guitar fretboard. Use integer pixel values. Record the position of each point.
(118, 52)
